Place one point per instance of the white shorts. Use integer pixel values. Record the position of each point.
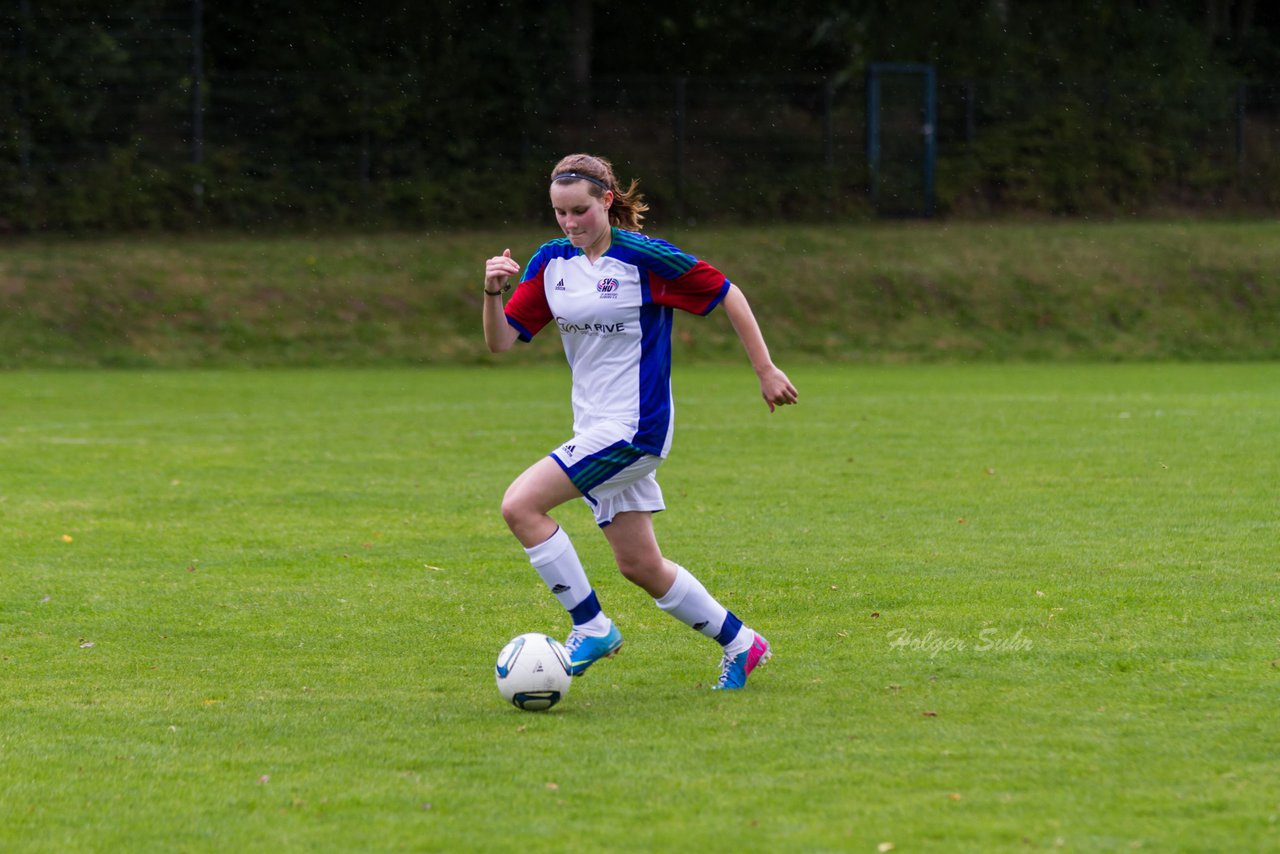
(613, 475)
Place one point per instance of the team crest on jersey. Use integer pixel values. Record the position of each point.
(607, 288)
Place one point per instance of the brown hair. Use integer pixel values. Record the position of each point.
(628, 206)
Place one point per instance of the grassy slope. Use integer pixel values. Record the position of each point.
(294, 583)
(865, 293)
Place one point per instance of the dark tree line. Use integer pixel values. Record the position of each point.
(172, 113)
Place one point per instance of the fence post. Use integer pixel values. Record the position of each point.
(829, 124)
(873, 134)
(24, 98)
(930, 131)
(366, 142)
(197, 97)
(682, 87)
(829, 143)
(1241, 93)
(970, 111)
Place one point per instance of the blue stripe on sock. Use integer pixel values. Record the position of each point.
(585, 610)
(729, 631)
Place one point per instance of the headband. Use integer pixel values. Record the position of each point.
(578, 176)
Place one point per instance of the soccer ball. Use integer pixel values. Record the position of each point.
(533, 672)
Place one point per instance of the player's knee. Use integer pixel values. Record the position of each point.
(637, 571)
(512, 511)
(631, 572)
(514, 508)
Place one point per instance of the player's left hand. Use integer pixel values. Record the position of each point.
(776, 389)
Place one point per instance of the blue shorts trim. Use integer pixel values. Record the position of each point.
(602, 466)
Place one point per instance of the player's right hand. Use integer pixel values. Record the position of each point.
(498, 269)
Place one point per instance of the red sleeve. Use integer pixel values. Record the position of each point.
(527, 310)
(698, 290)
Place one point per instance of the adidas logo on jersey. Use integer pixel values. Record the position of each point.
(569, 449)
(560, 285)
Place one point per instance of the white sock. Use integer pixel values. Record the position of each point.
(557, 563)
(597, 627)
(690, 603)
(741, 642)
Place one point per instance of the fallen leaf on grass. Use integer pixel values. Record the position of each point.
(930, 714)
(86, 644)
(553, 786)
(67, 538)
(955, 796)
(884, 846)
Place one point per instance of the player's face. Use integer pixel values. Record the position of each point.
(583, 218)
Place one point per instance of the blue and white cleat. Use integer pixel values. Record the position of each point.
(585, 650)
(735, 669)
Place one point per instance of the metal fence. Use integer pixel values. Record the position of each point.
(174, 145)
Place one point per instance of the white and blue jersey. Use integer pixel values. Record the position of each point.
(615, 318)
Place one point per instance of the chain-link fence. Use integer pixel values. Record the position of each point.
(157, 140)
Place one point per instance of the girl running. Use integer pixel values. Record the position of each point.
(611, 292)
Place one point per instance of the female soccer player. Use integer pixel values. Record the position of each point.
(611, 292)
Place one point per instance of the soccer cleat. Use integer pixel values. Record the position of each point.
(735, 669)
(585, 650)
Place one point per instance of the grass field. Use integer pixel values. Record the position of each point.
(1013, 608)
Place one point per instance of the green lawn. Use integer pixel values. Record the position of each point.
(884, 293)
(1013, 608)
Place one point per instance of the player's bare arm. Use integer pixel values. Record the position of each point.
(498, 270)
(775, 388)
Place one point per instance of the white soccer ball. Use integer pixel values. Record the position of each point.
(533, 672)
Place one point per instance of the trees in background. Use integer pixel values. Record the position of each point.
(433, 112)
